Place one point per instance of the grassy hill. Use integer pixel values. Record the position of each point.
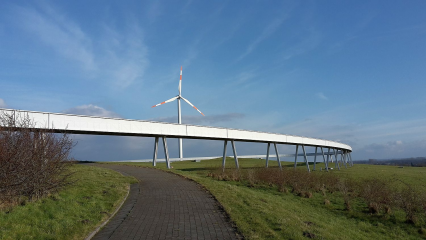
(73, 212)
(264, 210)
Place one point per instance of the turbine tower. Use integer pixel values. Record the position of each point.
(179, 97)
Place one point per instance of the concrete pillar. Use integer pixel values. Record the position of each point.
(306, 158)
(267, 155)
(166, 152)
(278, 156)
(224, 155)
(235, 154)
(315, 158)
(295, 157)
(154, 159)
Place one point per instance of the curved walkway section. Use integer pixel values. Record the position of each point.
(126, 127)
(166, 206)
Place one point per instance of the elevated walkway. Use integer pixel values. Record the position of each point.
(78, 124)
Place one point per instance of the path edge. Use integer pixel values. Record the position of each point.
(239, 235)
(92, 234)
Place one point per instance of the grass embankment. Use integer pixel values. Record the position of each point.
(73, 212)
(262, 211)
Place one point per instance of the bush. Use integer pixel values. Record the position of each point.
(410, 200)
(378, 195)
(347, 188)
(33, 162)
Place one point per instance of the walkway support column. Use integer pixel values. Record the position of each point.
(154, 159)
(345, 159)
(342, 158)
(166, 152)
(323, 158)
(336, 160)
(278, 156)
(331, 157)
(315, 158)
(224, 155)
(267, 155)
(235, 154)
(306, 158)
(328, 158)
(295, 157)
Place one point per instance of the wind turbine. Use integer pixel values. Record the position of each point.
(179, 97)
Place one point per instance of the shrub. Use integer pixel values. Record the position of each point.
(378, 194)
(409, 200)
(347, 188)
(251, 178)
(33, 162)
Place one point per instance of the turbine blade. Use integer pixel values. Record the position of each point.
(170, 100)
(180, 81)
(192, 105)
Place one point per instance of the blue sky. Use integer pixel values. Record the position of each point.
(350, 71)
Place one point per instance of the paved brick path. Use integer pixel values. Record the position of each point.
(166, 206)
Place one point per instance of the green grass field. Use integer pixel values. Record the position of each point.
(263, 212)
(72, 213)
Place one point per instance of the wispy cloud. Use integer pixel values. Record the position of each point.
(311, 40)
(192, 55)
(125, 58)
(321, 95)
(242, 79)
(61, 34)
(208, 119)
(154, 11)
(118, 57)
(336, 125)
(394, 149)
(91, 110)
(267, 32)
(353, 32)
(393, 129)
(392, 146)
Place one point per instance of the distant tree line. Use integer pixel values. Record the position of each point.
(33, 162)
(412, 162)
